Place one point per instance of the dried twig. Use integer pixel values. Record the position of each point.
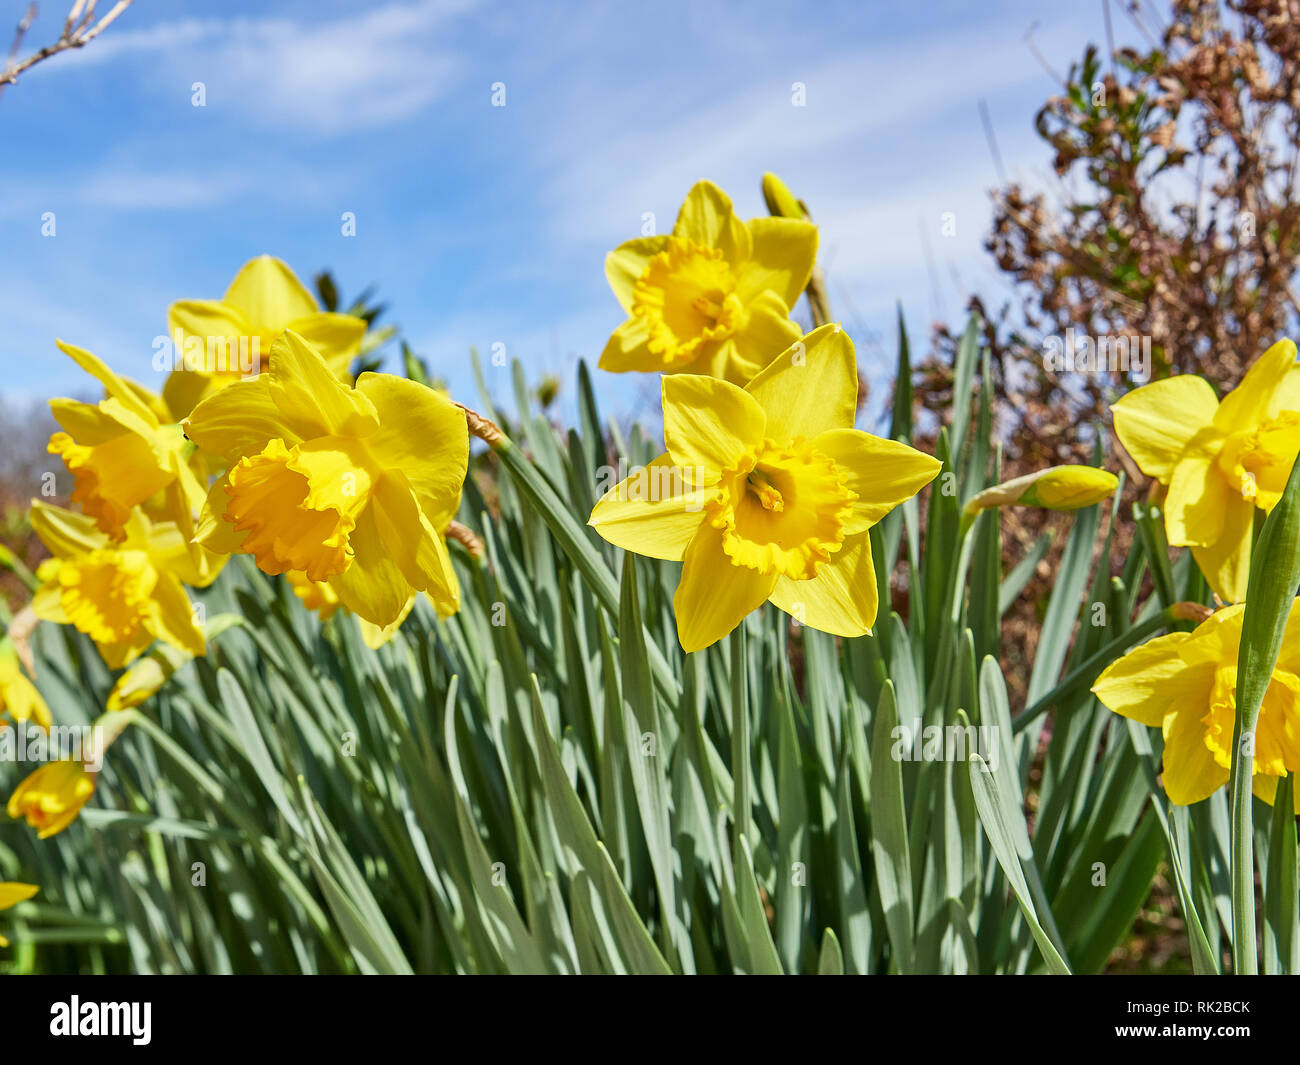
(79, 29)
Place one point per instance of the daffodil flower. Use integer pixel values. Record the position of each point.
(1185, 684)
(51, 798)
(19, 699)
(11, 894)
(122, 595)
(767, 493)
(265, 299)
(351, 486)
(1218, 459)
(119, 451)
(712, 298)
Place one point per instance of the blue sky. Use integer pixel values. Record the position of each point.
(480, 224)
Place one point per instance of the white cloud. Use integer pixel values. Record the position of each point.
(376, 67)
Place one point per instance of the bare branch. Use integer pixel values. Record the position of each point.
(79, 29)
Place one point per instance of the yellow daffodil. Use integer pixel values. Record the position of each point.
(19, 699)
(119, 452)
(11, 894)
(233, 335)
(351, 486)
(123, 596)
(714, 297)
(51, 798)
(1219, 459)
(1056, 488)
(767, 493)
(1186, 684)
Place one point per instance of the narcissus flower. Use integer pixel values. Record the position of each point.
(123, 596)
(19, 699)
(1185, 683)
(11, 894)
(51, 798)
(265, 299)
(712, 298)
(1219, 459)
(351, 486)
(119, 452)
(767, 493)
(1056, 488)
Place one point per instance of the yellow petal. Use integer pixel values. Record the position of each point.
(627, 262)
(707, 217)
(269, 294)
(782, 252)
(1226, 562)
(628, 350)
(87, 423)
(372, 586)
(842, 599)
(213, 531)
(1261, 392)
(173, 620)
(714, 596)
(203, 325)
(65, 532)
(116, 387)
(654, 512)
(306, 389)
(336, 336)
(1265, 789)
(1198, 498)
(767, 332)
(240, 420)
(809, 388)
(12, 893)
(708, 424)
(374, 636)
(1190, 771)
(1144, 683)
(423, 434)
(1156, 422)
(882, 473)
(412, 542)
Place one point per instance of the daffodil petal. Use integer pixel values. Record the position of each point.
(65, 532)
(781, 257)
(1143, 683)
(114, 386)
(423, 434)
(376, 636)
(1156, 422)
(86, 423)
(627, 262)
(810, 387)
(336, 336)
(654, 512)
(213, 531)
(707, 218)
(1260, 394)
(1198, 498)
(882, 473)
(304, 388)
(1190, 771)
(714, 596)
(767, 332)
(269, 294)
(12, 893)
(239, 420)
(842, 598)
(628, 350)
(373, 586)
(418, 549)
(1265, 789)
(174, 620)
(708, 424)
(1226, 562)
